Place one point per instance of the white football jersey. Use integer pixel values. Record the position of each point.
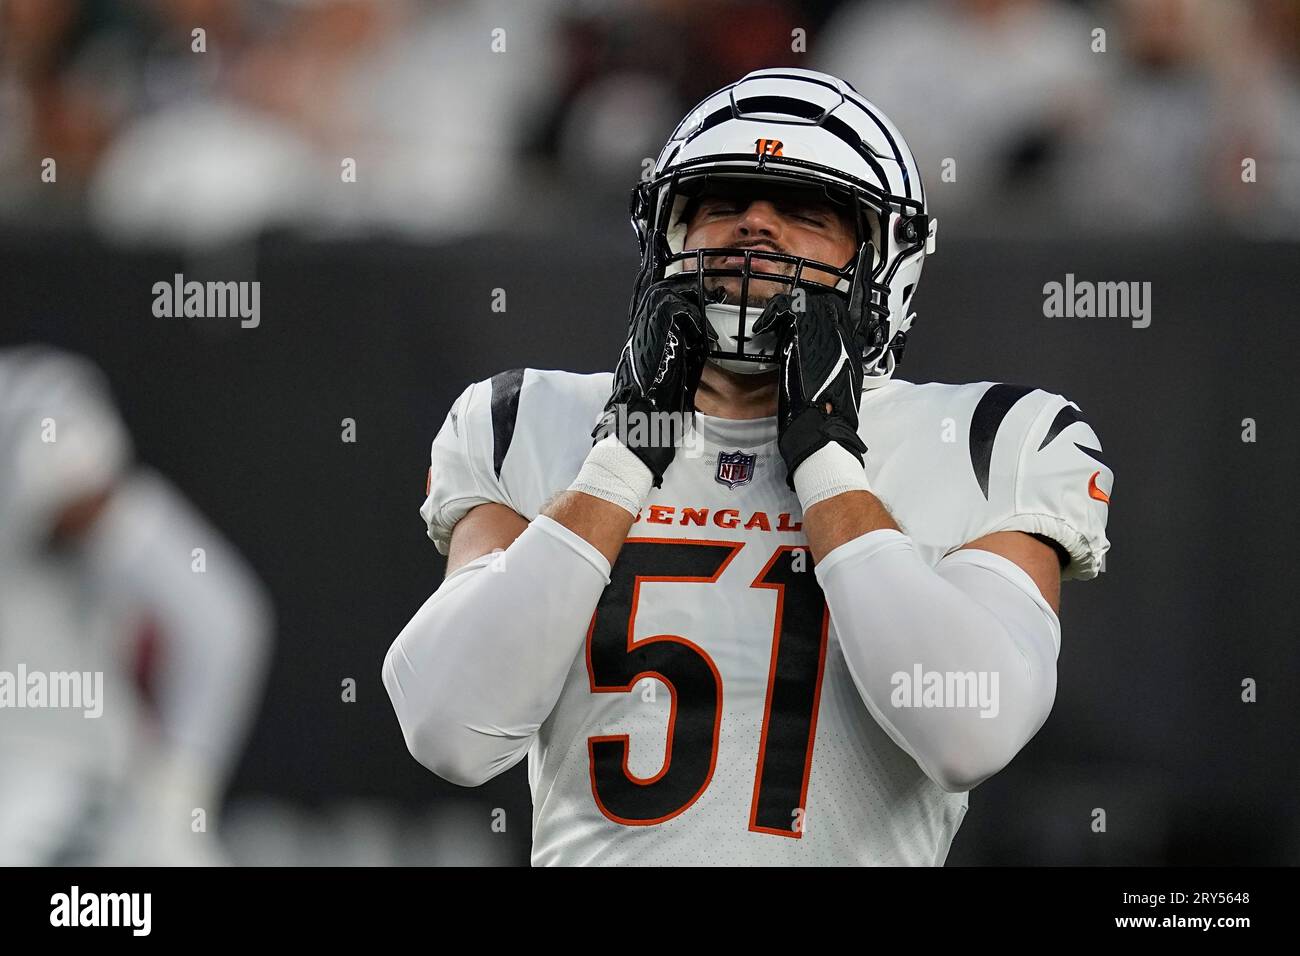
(708, 716)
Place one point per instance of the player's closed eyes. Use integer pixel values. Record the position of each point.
(724, 207)
(731, 207)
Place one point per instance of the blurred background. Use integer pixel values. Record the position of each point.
(382, 167)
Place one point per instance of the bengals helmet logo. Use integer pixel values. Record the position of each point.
(768, 147)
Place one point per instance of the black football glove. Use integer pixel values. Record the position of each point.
(820, 350)
(659, 369)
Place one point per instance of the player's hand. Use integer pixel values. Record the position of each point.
(820, 348)
(658, 371)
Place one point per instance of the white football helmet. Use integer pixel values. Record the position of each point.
(62, 439)
(793, 127)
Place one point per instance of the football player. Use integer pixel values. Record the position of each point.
(99, 578)
(787, 608)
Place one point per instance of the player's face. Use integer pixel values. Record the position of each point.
(796, 221)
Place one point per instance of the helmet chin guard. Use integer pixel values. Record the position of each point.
(792, 129)
(733, 330)
(735, 345)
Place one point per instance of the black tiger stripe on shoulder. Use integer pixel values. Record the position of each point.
(1066, 417)
(505, 410)
(991, 409)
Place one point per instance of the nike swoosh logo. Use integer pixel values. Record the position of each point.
(1094, 491)
(839, 364)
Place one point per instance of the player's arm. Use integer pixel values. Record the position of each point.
(494, 527)
(987, 608)
(481, 665)
(981, 611)
(1037, 555)
(980, 614)
(485, 528)
(853, 514)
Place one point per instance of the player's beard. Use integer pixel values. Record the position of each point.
(722, 296)
(726, 290)
(722, 311)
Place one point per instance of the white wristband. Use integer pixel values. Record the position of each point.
(613, 473)
(827, 472)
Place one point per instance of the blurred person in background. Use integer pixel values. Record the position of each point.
(1202, 86)
(74, 73)
(998, 87)
(44, 110)
(464, 115)
(428, 100)
(631, 67)
(99, 573)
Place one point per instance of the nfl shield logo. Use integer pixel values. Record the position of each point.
(734, 468)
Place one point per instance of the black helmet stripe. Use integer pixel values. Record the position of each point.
(893, 144)
(779, 104)
(832, 124)
(837, 126)
(857, 100)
